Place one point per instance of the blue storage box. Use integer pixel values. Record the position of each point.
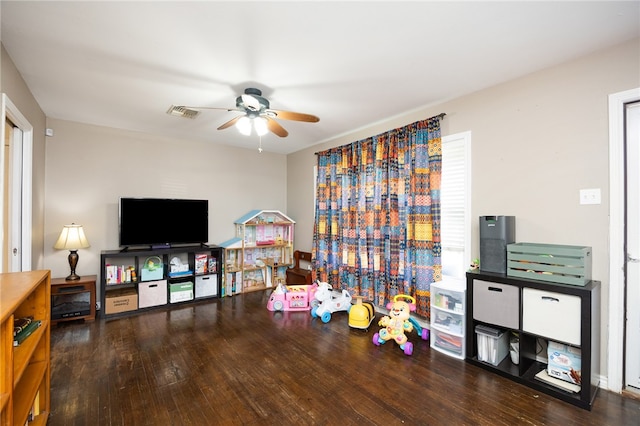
(152, 269)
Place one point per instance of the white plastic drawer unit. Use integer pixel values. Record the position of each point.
(497, 304)
(552, 315)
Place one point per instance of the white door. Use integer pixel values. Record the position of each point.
(15, 188)
(15, 201)
(632, 328)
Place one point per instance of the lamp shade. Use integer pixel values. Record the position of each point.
(71, 238)
(260, 124)
(244, 125)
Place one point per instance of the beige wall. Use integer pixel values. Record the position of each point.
(90, 167)
(12, 84)
(536, 141)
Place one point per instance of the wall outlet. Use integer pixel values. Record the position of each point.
(590, 196)
(97, 306)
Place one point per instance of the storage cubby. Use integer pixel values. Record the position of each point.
(537, 312)
(26, 369)
(158, 277)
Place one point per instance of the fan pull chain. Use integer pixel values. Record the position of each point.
(260, 144)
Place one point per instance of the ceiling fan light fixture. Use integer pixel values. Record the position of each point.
(244, 126)
(260, 124)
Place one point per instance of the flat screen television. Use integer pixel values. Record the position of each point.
(163, 221)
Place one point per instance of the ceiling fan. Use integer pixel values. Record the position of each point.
(257, 114)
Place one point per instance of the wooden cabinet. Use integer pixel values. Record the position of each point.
(136, 280)
(538, 313)
(261, 251)
(26, 369)
(73, 300)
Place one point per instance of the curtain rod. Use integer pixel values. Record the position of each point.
(440, 116)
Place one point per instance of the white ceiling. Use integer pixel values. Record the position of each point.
(123, 64)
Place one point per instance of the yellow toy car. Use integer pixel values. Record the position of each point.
(361, 314)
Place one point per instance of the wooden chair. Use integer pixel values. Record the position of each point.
(296, 274)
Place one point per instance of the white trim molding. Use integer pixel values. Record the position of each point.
(615, 348)
(10, 111)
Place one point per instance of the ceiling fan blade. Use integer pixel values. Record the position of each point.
(276, 128)
(230, 122)
(216, 108)
(297, 116)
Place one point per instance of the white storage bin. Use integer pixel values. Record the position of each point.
(552, 315)
(206, 285)
(152, 293)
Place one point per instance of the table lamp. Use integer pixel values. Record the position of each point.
(72, 238)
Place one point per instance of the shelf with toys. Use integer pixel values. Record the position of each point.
(140, 279)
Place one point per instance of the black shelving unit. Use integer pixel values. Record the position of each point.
(529, 360)
(134, 260)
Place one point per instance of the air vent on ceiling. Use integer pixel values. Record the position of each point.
(180, 111)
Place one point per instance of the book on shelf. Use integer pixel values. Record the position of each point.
(20, 324)
(28, 330)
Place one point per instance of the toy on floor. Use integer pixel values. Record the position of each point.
(361, 314)
(292, 297)
(398, 322)
(330, 301)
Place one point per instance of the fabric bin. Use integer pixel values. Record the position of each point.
(152, 293)
(496, 303)
(206, 285)
(552, 315)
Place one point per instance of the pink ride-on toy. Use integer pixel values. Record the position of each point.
(398, 322)
(292, 297)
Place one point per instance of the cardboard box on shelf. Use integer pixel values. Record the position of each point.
(564, 362)
(122, 300)
(180, 292)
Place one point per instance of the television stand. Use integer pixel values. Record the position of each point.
(128, 285)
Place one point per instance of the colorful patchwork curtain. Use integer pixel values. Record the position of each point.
(377, 227)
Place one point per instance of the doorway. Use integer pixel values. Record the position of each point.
(16, 184)
(632, 326)
(624, 337)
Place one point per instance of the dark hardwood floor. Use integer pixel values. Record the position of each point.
(233, 362)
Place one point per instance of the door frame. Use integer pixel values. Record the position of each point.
(9, 111)
(617, 256)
